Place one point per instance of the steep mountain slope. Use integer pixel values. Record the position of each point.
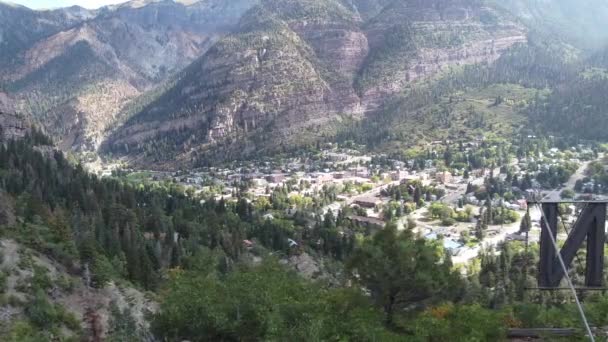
(21, 27)
(77, 81)
(80, 309)
(469, 102)
(576, 108)
(12, 125)
(295, 69)
(411, 40)
(581, 22)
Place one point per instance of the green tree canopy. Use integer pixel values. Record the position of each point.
(400, 270)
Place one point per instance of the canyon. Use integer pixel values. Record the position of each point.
(292, 71)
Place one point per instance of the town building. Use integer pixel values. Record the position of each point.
(444, 177)
(368, 202)
(275, 178)
(368, 222)
(339, 175)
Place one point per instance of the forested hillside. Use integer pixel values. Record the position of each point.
(78, 237)
(295, 71)
(22, 27)
(392, 75)
(76, 72)
(472, 101)
(246, 78)
(278, 75)
(427, 109)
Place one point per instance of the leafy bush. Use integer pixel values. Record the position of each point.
(567, 194)
(41, 279)
(3, 281)
(22, 331)
(459, 323)
(263, 303)
(40, 312)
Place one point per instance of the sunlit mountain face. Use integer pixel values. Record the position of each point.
(303, 170)
(192, 80)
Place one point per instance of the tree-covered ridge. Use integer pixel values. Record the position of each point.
(212, 284)
(284, 79)
(74, 65)
(581, 23)
(311, 11)
(493, 100)
(21, 27)
(44, 91)
(414, 29)
(577, 108)
(255, 72)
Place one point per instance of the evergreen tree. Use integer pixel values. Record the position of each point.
(400, 270)
(470, 188)
(526, 223)
(479, 230)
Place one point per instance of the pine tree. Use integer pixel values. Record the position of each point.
(526, 223)
(479, 230)
(417, 195)
(489, 217)
(447, 156)
(470, 188)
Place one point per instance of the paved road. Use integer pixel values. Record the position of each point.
(452, 196)
(535, 216)
(554, 195)
(468, 254)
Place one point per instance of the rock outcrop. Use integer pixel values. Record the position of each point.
(12, 126)
(77, 75)
(295, 69)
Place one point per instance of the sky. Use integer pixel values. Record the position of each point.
(42, 4)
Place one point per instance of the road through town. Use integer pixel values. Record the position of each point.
(555, 195)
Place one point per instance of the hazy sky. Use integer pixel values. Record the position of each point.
(37, 4)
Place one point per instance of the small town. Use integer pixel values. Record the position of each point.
(458, 205)
(303, 170)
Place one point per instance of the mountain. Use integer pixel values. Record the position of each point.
(12, 125)
(21, 27)
(581, 23)
(161, 81)
(295, 70)
(76, 74)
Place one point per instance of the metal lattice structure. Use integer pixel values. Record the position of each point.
(590, 227)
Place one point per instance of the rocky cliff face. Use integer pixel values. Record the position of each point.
(77, 76)
(415, 39)
(21, 27)
(294, 68)
(581, 23)
(12, 126)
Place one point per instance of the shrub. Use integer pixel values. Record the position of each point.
(24, 332)
(68, 318)
(448, 221)
(3, 281)
(41, 279)
(40, 312)
(567, 193)
(15, 301)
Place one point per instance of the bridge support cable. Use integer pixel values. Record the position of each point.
(566, 275)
